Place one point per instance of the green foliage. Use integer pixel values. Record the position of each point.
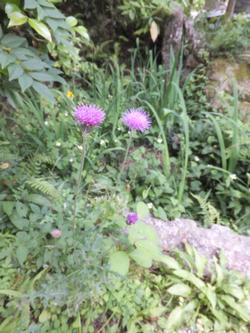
(28, 64)
(230, 37)
(222, 295)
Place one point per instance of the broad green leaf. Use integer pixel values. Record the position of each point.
(15, 71)
(21, 254)
(34, 64)
(149, 246)
(83, 32)
(40, 28)
(11, 8)
(141, 231)
(30, 4)
(41, 76)
(72, 21)
(169, 261)
(19, 222)
(119, 262)
(8, 207)
(176, 318)
(180, 289)
(25, 82)
(142, 210)
(38, 199)
(44, 316)
(142, 257)
(12, 41)
(44, 91)
(21, 209)
(16, 18)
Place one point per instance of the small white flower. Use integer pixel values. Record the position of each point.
(196, 158)
(119, 128)
(102, 142)
(58, 144)
(46, 123)
(71, 160)
(80, 147)
(66, 114)
(159, 140)
(233, 176)
(150, 205)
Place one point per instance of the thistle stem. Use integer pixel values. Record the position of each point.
(79, 178)
(126, 155)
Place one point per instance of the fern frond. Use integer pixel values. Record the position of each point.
(209, 212)
(34, 166)
(46, 188)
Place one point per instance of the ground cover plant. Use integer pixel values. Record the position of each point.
(79, 176)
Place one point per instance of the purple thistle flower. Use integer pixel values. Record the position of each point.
(132, 218)
(136, 119)
(89, 115)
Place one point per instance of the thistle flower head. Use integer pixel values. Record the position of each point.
(89, 115)
(136, 119)
(132, 218)
(56, 233)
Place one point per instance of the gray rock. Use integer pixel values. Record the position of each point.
(208, 242)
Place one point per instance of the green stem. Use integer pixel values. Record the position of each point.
(126, 156)
(79, 178)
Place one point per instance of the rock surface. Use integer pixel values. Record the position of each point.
(208, 242)
(222, 73)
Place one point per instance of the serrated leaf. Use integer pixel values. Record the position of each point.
(119, 262)
(142, 257)
(16, 18)
(44, 91)
(180, 289)
(25, 82)
(40, 28)
(15, 71)
(154, 31)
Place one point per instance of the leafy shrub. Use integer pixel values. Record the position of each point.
(39, 27)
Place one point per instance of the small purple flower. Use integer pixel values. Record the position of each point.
(89, 115)
(56, 233)
(136, 119)
(132, 218)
